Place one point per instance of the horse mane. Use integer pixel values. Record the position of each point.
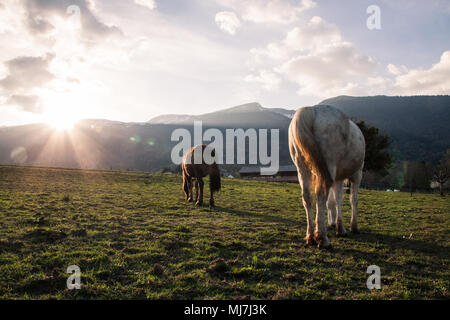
(302, 131)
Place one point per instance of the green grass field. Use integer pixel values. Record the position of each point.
(134, 237)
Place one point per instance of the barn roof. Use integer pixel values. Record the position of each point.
(256, 169)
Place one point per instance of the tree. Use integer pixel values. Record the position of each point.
(441, 172)
(417, 175)
(377, 158)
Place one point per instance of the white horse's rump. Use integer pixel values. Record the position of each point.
(327, 147)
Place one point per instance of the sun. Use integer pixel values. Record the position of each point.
(59, 121)
(61, 124)
(63, 108)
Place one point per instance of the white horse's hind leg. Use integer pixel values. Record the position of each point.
(331, 206)
(338, 191)
(305, 179)
(320, 235)
(356, 180)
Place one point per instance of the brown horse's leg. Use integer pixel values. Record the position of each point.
(191, 193)
(196, 190)
(186, 186)
(211, 199)
(200, 198)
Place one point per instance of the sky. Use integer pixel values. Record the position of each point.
(132, 60)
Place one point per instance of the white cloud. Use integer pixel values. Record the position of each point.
(228, 21)
(42, 16)
(268, 79)
(24, 76)
(150, 4)
(46, 54)
(404, 81)
(317, 35)
(435, 80)
(27, 103)
(378, 85)
(318, 60)
(393, 69)
(329, 72)
(263, 11)
(322, 63)
(25, 73)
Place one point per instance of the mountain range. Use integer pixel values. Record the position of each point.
(419, 127)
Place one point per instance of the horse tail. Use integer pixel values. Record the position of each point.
(303, 132)
(214, 178)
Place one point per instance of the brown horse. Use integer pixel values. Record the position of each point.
(195, 172)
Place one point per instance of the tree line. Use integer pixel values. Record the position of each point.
(381, 171)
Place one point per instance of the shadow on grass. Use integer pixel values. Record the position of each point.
(265, 217)
(396, 242)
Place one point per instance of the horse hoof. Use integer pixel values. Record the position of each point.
(199, 204)
(310, 240)
(341, 232)
(212, 205)
(322, 240)
(355, 230)
(332, 226)
(325, 246)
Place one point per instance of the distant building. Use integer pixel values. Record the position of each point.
(254, 171)
(285, 173)
(224, 172)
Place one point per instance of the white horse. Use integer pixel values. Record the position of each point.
(327, 148)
